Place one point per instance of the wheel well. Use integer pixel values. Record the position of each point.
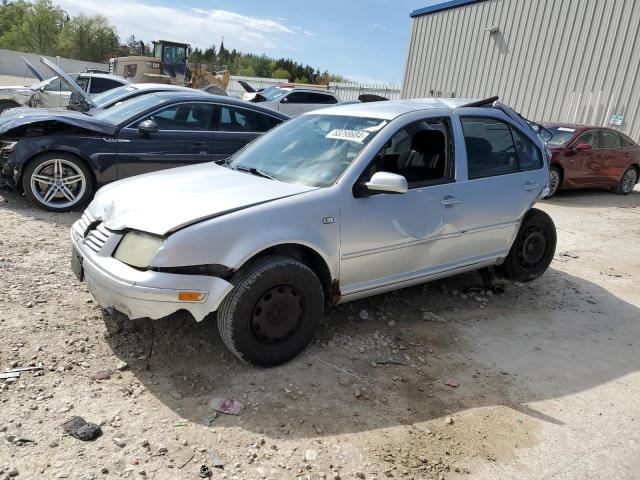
(84, 162)
(311, 259)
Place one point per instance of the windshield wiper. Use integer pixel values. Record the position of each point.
(255, 171)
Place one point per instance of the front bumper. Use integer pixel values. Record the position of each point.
(137, 293)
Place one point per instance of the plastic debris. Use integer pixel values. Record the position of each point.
(9, 375)
(452, 382)
(228, 406)
(204, 472)
(364, 315)
(207, 420)
(79, 428)
(216, 462)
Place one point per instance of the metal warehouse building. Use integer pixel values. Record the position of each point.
(574, 61)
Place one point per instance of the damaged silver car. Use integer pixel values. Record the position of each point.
(54, 92)
(332, 206)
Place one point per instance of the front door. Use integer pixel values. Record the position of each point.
(184, 137)
(506, 174)
(391, 238)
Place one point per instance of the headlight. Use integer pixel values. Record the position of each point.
(138, 248)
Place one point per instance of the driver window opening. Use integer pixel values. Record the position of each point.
(422, 152)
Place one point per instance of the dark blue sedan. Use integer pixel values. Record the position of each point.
(60, 158)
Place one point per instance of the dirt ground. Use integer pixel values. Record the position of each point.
(548, 373)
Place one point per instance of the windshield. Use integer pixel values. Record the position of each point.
(274, 93)
(129, 108)
(561, 136)
(311, 150)
(106, 97)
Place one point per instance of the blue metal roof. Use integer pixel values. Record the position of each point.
(442, 6)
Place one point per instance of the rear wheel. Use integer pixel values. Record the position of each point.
(7, 104)
(272, 312)
(627, 182)
(57, 181)
(555, 180)
(533, 250)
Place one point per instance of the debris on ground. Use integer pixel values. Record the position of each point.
(451, 382)
(364, 315)
(103, 375)
(204, 472)
(207, 420)
(310, 456)
(428, 316)
(216, 462)
(79, 428)
(228, 406)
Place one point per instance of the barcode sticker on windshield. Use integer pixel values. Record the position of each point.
(351, 135)
(565, 129)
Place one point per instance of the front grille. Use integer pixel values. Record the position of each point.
(97, 237)
(94, 232)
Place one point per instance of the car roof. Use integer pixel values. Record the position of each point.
(162, 86)
(199, 95)
(388, 110)
(107, 76)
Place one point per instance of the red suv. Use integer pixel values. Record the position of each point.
(584, 156)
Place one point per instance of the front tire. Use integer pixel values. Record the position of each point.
(627, 182)
(58, 182)
(273, 311)
(533, 249)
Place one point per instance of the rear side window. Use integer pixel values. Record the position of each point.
(99, 85)
(241, 120)
(321, 98)
(297, 97)
(495, 148)
(627, 142)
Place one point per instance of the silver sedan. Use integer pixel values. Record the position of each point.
(335, 205)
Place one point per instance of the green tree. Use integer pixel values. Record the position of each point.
(281, 73)
(247, 72)
(35, 28)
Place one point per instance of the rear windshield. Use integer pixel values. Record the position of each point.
(104, 98)
(561, 136)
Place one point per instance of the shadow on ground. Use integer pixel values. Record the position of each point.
(557, 336)
(595, 198)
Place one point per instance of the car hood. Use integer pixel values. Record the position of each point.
(20, 117)
(165, 201)
(17, 93)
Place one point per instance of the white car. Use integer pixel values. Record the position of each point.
(332, 206)
(294, 101)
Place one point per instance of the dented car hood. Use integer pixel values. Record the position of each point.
(165, 201)
(20, 95)
(20, 117)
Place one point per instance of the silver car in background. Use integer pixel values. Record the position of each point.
(294, 101)
(332, 206)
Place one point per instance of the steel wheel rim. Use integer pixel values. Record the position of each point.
(277, 315)
(629, 180)
(58, 183)
(554, 181)
(532, 247)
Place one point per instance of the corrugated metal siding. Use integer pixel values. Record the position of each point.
(553, 60)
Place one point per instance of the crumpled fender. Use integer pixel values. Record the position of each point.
(21, 95)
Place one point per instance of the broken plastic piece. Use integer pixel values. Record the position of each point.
(226, 405)
(216, 462)
(79, 428)
(9, 375)
(204, 472)
(452, 382)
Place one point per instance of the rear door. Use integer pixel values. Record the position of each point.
(616, 156)
(506, 173)
(185, 136)
(236, 126)
(294, 104)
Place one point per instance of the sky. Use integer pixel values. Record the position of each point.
(365, 41)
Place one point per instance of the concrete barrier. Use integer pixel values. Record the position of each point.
(11, 64)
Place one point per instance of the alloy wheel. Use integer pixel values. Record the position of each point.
(58, 183)
(629, 180)
(554, 181)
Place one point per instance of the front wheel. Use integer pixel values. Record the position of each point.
(627, 182)
(272, 312)
(58, 182)
(533, 250)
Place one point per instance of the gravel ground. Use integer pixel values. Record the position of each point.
(548, 372)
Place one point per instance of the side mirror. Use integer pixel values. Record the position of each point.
(147, 127)
(583, 147)
(387, 182)
(285, 100)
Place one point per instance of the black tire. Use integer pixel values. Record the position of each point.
(268, 334)
(7, 104)
(555, 181)
(533, 249)
(66, 197)
(627, 182)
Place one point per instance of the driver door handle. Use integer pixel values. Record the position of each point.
(529, 186)
(450, 201)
